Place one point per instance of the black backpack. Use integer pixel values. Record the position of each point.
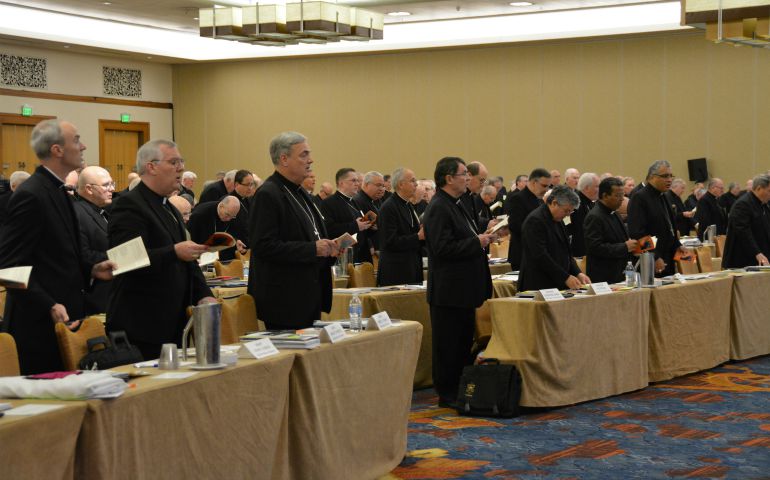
(115, 352)
(489, 389)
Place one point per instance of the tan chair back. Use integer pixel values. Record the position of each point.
(74, 345)
(232, 269)
(687, 267)
(243, 257)
(361, 275)
(499, 249)
(581, 263)
(9, 357)
(720, 242)
(704, 259)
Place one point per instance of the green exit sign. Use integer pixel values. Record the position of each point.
(26, 111)
(125, 118)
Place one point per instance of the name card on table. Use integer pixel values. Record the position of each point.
(379, 321)
(258, 349)
(332, 333)
(599, 288)
(549, 295)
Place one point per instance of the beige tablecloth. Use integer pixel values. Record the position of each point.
(350, 405)
(217, 424)
(499, 268)
(402, 304)
(689, 327)
(750, 316)
(40, 446)
(573, 350)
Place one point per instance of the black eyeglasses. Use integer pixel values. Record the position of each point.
(665, 175)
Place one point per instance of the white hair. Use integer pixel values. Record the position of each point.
(188, 174)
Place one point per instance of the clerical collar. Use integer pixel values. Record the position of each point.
(61, 181)
(349, 199)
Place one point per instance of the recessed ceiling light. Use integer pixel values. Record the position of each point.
(195, 18)
(521, 4)
(106, 3)
(399, 14)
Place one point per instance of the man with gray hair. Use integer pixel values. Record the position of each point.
(571, 178)
(649, 214)
(150, 303)
(588, 193)
(369, 199)
(748, 227)
(42, 231)
(682, 216)
(219, 189)
(188, 181)
(16, 179)
(290, 251)
(709, 212)
(546, 259)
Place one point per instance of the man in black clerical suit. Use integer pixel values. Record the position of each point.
(520, 204)
(482, 202)
(470, 199)
(150, 303)
(17, 178)
(188, 181)
(748, 227)
(95, 187)
(546, 260)
(219, 189)
(369, 199)
(458, 276)
(42, 232)
(732, 194)
(290, 251)
(588, 193)
(649, 213)
(244, 188)
(682, 216)
(213, 217)
(606, 239)
(709, 212)
(401, 235)
(342, 214)
(692, 200)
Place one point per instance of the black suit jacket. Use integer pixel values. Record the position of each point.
(709, 212)
(183, 190)
(291, 286)
(42, 231)
(681, 223)
(150, 303)
(4, 197)
(518, 205)
(649, 213)
(575, 227)
(94, 241)
(370, 236)
(204, 221)
(340, 216)
(606, 252)
(458, 270)
(726, 201)
(213, 192)
(546, 260)
(748, 232)
(400, 249)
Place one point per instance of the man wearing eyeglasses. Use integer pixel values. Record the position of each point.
(244, 190)
(150, 303)
(95, 187)
(649, 213)
(520, 204)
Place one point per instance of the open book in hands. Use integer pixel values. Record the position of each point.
(129, 256)
(646, 244)
(346, 240)
(219, 241)
(370, 217)
(15, 277)
(501, 224)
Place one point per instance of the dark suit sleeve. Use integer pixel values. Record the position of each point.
(442, 239)
(535, 242)
(337, 222)
(266, 234)
(128, 221)
(19, 237)
(638, 219)
(90, 254)
(516, 216)
(740, 228)
(389, 232)
(596, 245)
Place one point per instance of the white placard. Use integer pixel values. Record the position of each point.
(379, 321)
(258, 349)
(549, 295)
(32, 409)
(599, 288)
(332, 333)
(174, 375)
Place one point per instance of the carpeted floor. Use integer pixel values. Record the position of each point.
(714, 424)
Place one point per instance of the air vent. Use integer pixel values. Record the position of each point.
(28, 72)
(122, 82)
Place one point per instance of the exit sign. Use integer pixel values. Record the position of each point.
(125, 118)
(26, 111)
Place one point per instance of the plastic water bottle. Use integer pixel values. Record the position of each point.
(630, 275)
(354, 311)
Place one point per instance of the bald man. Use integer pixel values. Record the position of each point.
(183, 205)
(211, 217)
(95, 188)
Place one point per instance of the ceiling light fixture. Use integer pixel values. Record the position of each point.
(399, 14)
(521, 4)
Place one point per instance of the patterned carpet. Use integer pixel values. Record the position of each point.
(714, 424)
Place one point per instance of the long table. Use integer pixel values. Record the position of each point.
(749, 317)
(573, 350)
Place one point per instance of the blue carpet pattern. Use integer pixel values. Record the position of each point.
(713, 424)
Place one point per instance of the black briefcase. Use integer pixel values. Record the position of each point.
(113, 353)
(489, 389)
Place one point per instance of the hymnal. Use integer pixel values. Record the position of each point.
(219, 241)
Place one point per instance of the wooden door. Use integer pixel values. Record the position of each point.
(15, 151)
(118, 143)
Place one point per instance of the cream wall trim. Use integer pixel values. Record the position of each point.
(80, 98)
(606, 105)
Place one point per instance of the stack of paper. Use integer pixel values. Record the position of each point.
(283, 339)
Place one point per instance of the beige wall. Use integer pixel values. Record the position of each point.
(79, 74)
(612, 104)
